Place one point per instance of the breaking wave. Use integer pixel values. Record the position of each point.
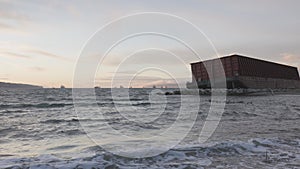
(270, 153)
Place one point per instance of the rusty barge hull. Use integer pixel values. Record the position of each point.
(244, 72)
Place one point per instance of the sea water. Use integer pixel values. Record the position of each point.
(40, 128)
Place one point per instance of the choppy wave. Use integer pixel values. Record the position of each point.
(59, 120)
(42, 130)
(38, 105)
(267, 153)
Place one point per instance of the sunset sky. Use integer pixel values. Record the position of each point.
(40, 41)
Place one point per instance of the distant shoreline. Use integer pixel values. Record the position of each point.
(7, 85)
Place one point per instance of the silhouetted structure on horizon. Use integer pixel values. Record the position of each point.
(244, 72)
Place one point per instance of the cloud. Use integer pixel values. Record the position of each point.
(4, 78)
(26, 51)
(6, 7)
(12, 54)
(141, 81)
(5, 26)
(289, 57)
(73, 10)
(165, 82)
(12, 20)
(37, 68)
(47, 54)
(170, 57)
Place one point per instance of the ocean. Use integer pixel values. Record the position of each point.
(41, 128)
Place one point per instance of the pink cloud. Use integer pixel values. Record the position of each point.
(289, 57)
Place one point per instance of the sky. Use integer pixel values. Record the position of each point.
(41, 41)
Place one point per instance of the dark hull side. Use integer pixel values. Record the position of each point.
(249, 83)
